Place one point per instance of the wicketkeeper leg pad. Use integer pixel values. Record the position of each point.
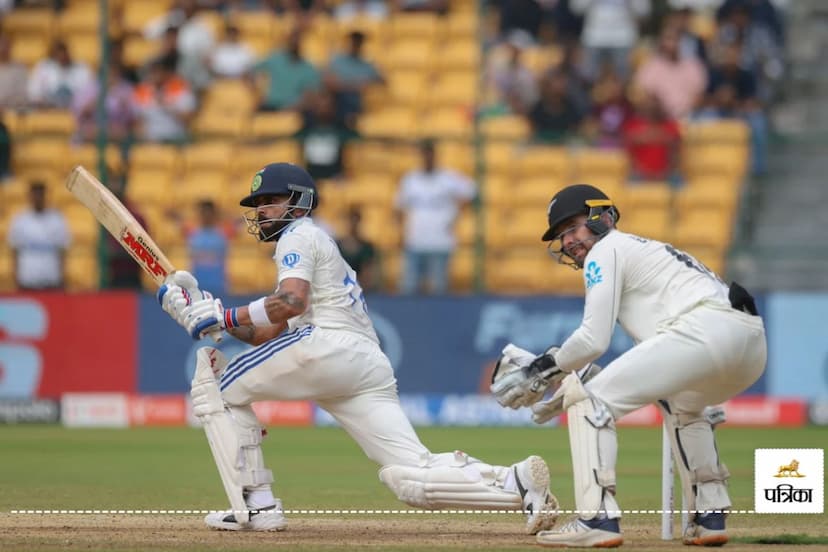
(594, 446)
(451, 480)
(233, 432)
(703, 477)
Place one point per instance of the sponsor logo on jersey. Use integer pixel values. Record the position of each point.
(593, 275)
(290, 260)
(141, 252)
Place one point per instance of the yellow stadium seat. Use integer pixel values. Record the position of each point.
(447, 122)
(388, 123)
(250, 270)
(257, 23)
(465, 228)
(648, 222)
(654, 195)
(459, 55)
(370, 190)
(155, 156)
(367, 154)
(507, 127)
(150, 188)
(729, 131)
(231, 96)
(213, 156)
(404, 88)
(316, 49)
(715, 160)
(82, 18)
(208, 184)
(559, 279)
(136, 15)
(379, 228)
(391, 265)
(29, 49)
(543, 161)
(499, 157)
(456, 89)
(535, 192)
(496, 219)
(461, 24)
(542, 58)
(41, 153)
(280, 123)
(703, 229)
(7, 278)
(138, 50)
(601, 167)
(85, 48)
(413, 54)
(249, 159)
(220, 125)
(82, 225)
(50, 122)
(457, 155)
(513, 271)
(87, 155)
(717, 195)
(29, 21)
(527, 225)
(82, 268)
(421, 26)
(462, 269)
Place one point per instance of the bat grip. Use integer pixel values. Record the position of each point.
(216, 335)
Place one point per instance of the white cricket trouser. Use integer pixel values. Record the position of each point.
(702, 358)
(346, 373)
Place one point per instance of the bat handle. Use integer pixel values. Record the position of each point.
(216, 335)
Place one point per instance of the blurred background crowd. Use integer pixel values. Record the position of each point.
(436, 129)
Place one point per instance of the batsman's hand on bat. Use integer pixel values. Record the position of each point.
(181, 298)
(522, 378)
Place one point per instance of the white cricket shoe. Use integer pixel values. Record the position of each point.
(532, 479)
(270, 518)
(579, 533)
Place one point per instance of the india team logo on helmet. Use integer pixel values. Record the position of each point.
(257, 182)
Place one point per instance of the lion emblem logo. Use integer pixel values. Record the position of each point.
(789, 470)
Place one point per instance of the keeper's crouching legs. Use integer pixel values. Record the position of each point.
(594, 449)
(235, 437)
(703, 477)
(457, 480)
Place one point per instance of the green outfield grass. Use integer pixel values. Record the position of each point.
(47, 467)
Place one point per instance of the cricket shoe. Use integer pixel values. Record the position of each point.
(706, 530)
(583, 533)
(270, 518)
(532, 480)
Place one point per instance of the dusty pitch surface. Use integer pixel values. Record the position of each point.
(186, 532)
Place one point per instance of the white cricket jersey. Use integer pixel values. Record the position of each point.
(307, 252)
(640, 283)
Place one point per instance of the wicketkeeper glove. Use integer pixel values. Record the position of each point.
(521, 378)
(544, 411)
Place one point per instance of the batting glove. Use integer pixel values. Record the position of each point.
(203, 317)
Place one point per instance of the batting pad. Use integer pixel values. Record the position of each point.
(594, 448)
(451, 481)
(233, 432)
(703, 477)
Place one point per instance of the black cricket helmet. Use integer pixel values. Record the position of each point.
(282, 180)
(578, 199)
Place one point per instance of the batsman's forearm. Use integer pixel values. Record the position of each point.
(256, 336)
(280, 307)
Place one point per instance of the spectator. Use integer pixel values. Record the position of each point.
(429, 200)
(653, 142)
(359, 253)
(520, 15)
(290, 77)
(207, 245)
(232, 58)
(122, 272)
(55, 80)
(38, 238)
(5, 150)
(353, 9)
(690, 44)
(512, 85)
(323, 138)
(13, 77)
(761, 53)
(610, 32)
(194, 41)
(349, 74)
(302, 11)
(116, 59)
(120, 112)
(761, 11)
(678, 83)
(732, 93)
(554, 117)
(610, 112)
(164, 104)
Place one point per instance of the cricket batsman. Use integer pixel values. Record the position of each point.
(698, 342)
(313, 340)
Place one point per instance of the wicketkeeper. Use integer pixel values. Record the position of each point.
(698, 342)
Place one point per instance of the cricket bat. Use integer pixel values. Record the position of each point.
(119, 222)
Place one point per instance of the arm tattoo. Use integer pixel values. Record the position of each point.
(243, 333)
(284, 305)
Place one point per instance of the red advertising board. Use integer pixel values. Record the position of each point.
(53, 343)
